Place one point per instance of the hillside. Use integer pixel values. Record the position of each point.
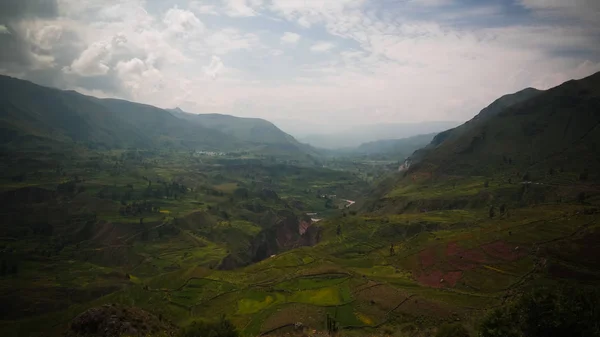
(252, 130)
(482, 117)
(400, 148)
(32, 114)
(528, 131)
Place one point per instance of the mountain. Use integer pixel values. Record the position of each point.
(399, 147)
(368, 133)
(484, 115)
(252, 131)
(530, 130)
(547, 138)
(32, 114)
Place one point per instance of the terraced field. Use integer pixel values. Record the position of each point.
(445, 266)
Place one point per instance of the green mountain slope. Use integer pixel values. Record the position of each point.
(253, 130)
(259, 134)
(484, 115)
(29, 112)
(530, 131)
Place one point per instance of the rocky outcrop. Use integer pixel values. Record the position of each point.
(112, 320)
(289, 231)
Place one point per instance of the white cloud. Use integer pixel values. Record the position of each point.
(200, 8)
(182, 22)
(46, 36)
(215, 66)
(4, 30)
(227, 40)
(308, 13)
(241, 8)
(140, 78)
(321, 47)
(93, 61)
(290, 38)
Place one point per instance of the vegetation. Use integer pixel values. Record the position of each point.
(452, 330)
(556, 311)
(221, 328)
(274, 241)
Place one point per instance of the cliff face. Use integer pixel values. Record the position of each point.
(289, 231)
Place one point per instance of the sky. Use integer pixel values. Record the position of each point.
(309, 63)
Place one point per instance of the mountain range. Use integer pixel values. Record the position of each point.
(358, 135)
(30, 113)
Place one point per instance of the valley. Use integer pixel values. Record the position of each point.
(198, 217)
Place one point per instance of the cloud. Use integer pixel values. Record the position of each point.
(290, 38)
(140, 78)
(321, 47)
(94, 60)
(15, 10)
(228, 40)
(410, 60)
(200, 8)
(182, 22)
(4, 30)
(215, 66)
(241, 8)
(587, 10)
(308, 13)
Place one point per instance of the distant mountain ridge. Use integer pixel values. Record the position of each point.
(252, 130)
(356, 136)
(32, 113)
(395, 145)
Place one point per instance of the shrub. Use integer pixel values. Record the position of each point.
(452, 330)
(221, 328)
(557, 311)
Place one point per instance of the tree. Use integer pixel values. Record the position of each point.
(221, 328)
(492, 211)
(548, 311)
